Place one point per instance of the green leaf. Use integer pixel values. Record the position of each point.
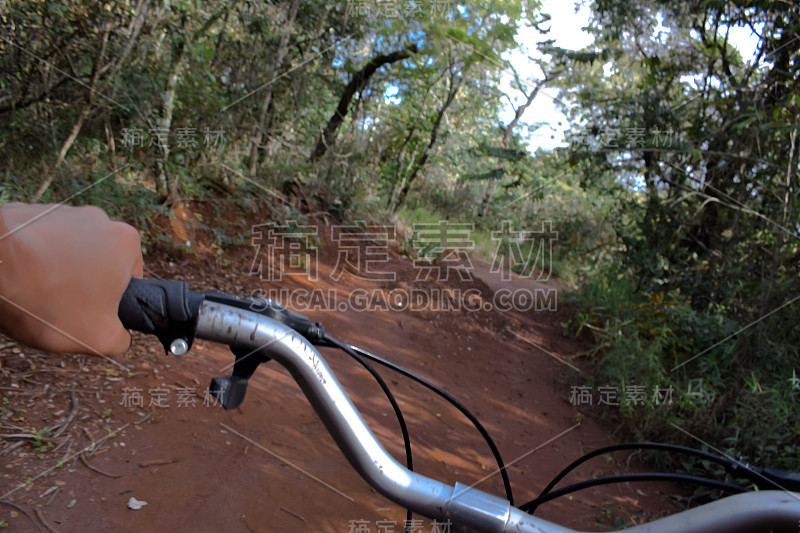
(203, 52)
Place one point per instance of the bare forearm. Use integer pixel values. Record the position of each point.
(62, 274)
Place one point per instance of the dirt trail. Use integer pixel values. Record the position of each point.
(200, 468)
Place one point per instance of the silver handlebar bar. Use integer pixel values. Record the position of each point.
(460, 504)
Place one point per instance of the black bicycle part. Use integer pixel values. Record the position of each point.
(166, 309)
(767, 479)
(778, 480)
(636, 446)
(625, 478)
(314, 332)
(230, 391)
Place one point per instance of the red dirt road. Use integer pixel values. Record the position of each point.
(200, 468)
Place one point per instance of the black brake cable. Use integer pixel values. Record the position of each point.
(732, 466)
(328, 340)
(531, 506)
(455, 403)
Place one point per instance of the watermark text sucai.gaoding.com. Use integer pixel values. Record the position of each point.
(414, 299)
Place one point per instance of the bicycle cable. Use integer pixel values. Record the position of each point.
(731, 466)
(455, 403)
(335, 343)
(360, 355)
(531, 506)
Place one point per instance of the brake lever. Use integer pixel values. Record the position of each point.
(230, 391)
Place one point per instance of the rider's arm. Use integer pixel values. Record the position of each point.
(62, 273)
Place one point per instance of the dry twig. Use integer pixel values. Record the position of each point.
(73, 412)
(156, 462)
(23, 511)
(90, 467)
(43, 520)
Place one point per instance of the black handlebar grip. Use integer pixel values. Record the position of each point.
(166, 309)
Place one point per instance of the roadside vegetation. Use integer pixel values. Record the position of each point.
(675, 201)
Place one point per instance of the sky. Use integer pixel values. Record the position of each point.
(543, 124)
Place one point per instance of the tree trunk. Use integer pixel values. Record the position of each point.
(276, 66)
(409, 181)
(518, 112)
(169, 187)
(357, 84)
(397, 183)
(76, 129)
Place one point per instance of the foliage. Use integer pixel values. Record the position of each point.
(675, 204)
(699, 286)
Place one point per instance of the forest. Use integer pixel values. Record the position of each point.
(675, 194)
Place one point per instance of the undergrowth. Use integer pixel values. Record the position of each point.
(719, 399)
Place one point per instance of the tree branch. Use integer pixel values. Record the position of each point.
(357, 84)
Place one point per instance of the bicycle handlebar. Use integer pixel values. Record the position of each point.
(264, 336)
(260, 334)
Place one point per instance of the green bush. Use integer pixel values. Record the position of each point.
(658, 340)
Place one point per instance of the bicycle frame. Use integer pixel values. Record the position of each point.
(256, 335)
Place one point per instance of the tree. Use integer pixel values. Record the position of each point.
(698, 147)
(357, 84)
